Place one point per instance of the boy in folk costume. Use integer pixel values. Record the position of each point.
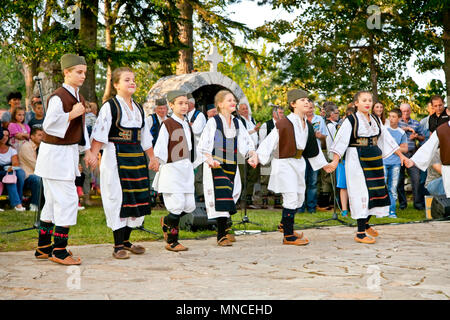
(422, 158)
(365, 142)
(175, 179)
(223, 137)
(291, 142)
(65, 134)
(123, 134)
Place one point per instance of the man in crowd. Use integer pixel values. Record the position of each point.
(252, 173)
(27, 159)
(311, 176)
(266, 128)
(197, 121)
(441, 114)
(415, 136)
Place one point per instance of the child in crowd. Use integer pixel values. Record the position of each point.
(392, 164)
(19, 130)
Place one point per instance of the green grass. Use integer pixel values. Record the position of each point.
(91, 226)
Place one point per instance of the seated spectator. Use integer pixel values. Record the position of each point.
(19, 131)
(9, 162)
(14, 100)
(30, 114)
(434, 183)
(27, 160)
(38, 115)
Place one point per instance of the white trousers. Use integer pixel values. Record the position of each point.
(61, 202)
(293, 200)
(177, 203)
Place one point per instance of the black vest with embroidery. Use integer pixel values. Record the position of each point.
(119, 134)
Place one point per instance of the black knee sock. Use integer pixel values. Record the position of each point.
(361, 228)
(172, 221)
(61, 236)
(119, 235)
(287, 219)
(45, 231)
(367, 222)
(126, 237)
(221, 227)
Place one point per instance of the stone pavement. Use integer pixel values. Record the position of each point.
(409, 261)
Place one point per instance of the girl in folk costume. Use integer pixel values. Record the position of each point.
(365, 142)
(175, 178)
(65, 134)
(422, 158)
(290, 143)
(121, 131)
(223, 137)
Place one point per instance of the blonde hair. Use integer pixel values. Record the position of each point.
(220, 97)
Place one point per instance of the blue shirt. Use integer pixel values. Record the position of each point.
(400, 137)
(319, 125)
(415, 125)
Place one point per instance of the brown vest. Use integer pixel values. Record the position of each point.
(178, 147)
(287, 147)
(443, 132)
(74, 133)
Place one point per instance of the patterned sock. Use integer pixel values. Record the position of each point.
(172, 222)
(61, 236)
(45, 231)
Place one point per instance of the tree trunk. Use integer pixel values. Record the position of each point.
(446, 38)
(88, 42)
(373, 69)
(170, 34)
(29, 67)
(186, 36)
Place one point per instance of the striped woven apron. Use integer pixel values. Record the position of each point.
(225, 151)
(370, 158)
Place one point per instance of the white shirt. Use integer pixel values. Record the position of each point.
(59, 162)
(251, 127)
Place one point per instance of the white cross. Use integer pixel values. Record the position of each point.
(214, 58)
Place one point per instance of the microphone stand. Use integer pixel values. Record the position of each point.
(245, 220)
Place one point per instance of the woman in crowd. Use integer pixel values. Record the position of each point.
(9, 165)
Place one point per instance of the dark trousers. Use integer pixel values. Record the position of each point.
(417, 190)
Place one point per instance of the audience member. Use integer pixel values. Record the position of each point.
(378, 110)
(414, 134)
(19, 131)
(27, 159)
(211, 110)
(434, 182)
(37, 118)
(9, 164)
(440, 115)
(392, 163)
(14, 100)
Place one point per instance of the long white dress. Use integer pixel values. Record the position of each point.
(422, 159)
(206, 145)
(57, 165)
(356, 182)
(109, 175)
(175, 180)
(288, 175)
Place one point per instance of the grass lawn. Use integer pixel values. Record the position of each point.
(91, 226)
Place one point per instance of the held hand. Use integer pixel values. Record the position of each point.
(154, 164)
(90, 159)
(408, 163)
(213, 164)
(329, 168)
(258, 126)
(253, 161)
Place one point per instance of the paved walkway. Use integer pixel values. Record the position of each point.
(410, 261)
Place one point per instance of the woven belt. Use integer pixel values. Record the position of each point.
(365, 142)
(298, 154)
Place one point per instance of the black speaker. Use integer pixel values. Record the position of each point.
(198, 219)
(440, 207)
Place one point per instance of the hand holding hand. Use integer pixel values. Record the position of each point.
(154, 164)
(213, 163)
(253, 160)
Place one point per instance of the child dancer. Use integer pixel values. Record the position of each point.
(293, 140)
(57, 161)
(365, 141)
(175, 179)
(223, 137)
(121, 131)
